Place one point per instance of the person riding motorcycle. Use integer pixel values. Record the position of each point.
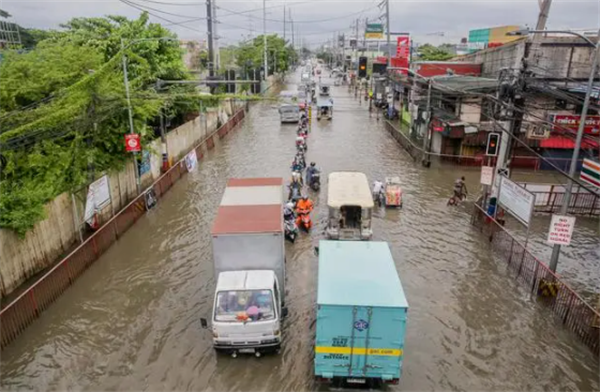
(288, 211)
(312, 169)
(298, 165)
(304, 205)
(295, 187)
(460, 189)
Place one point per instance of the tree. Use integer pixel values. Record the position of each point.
(250, 54)
(54, 94)
(428, 52)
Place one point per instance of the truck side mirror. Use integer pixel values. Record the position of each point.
(284, 312)
(204, 323)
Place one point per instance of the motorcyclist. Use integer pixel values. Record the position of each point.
(304, 204)
(460, 189)
(288, 211)
(312, 169)
(298, 164)
(295, 185)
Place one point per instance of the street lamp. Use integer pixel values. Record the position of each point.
(586, 103)
(128, 95)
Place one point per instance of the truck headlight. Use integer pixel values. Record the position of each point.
(215, 335)
(276, 332)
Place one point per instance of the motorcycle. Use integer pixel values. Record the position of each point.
(315, 182)
(394, 116)
(301, 147)
(303, 220)
(295, 193)
(291, 230)
(379, 198)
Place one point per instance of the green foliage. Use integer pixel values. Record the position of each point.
(250, 54)
(64, 108)
(429, 52)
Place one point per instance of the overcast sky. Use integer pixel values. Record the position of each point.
(317, 20)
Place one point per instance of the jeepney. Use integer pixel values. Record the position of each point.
(350, 206)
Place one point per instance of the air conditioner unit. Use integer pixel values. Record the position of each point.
(537, 131)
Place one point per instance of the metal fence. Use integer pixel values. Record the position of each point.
(569, 308)
(549, 198)
(21, 312)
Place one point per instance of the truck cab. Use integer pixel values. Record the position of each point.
(247, 312)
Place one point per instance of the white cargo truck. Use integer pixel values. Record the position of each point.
(249, 265)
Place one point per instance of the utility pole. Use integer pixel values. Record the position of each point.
(365, 37)
(292, 25)
(389, 47)
(426, 161)
(284, 25)
(130, 113)
(211, 53)
(215, 35)
(586, 103)
(265, 64)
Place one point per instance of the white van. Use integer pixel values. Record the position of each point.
(289, 113)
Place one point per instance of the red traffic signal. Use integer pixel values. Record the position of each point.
(493, 141)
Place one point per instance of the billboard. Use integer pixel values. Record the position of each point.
(374, 30)
(592, 123)
(403, 47)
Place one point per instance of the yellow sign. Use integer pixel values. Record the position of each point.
(389, 352)
(374, 35)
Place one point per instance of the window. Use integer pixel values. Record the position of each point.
(244, 305)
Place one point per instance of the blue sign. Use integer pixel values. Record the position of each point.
(361, 325)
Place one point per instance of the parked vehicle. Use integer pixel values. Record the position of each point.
(392, 192)
(249, 297)
(361, 314)
(350, 206)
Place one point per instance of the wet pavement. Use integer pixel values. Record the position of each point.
(132, 321)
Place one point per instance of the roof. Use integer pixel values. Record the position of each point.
(463, 83)
(563, 142)
(250, 205)
(324, 101)
(349, 189)
(245, 280)
(358, 273)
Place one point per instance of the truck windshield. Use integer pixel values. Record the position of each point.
(244, 305)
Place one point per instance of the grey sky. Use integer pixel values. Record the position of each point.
(422, 17)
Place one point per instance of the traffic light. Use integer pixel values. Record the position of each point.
(362, 67)
(493, 141)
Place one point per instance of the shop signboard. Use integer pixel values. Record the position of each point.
(374, 30)
(569, 121)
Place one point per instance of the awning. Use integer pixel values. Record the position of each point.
(563, 142)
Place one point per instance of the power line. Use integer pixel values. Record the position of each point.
(138, 7)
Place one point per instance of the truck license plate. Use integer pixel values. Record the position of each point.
(356, 381)
(246, 351)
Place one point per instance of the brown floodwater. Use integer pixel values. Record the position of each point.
(132, 321)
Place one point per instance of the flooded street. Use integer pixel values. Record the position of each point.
(132, 321)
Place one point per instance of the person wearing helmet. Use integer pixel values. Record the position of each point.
(312, 169)
(304, 204)
(288, 211)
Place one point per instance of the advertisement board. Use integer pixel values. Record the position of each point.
(403, 47)
(98, 197)
(590, 172)
(516, 200)
(592, 123)
(374, 30)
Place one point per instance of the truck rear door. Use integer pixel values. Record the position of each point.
(384, 342)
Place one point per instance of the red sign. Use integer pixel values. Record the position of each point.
(403, 47)
(400, 62)
(132, 142)
(592, 123)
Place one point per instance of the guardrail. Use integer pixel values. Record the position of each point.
(28, 306)
(568, 307)
(549, 198)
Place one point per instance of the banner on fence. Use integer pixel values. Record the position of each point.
(98, 197)
(150, 199)
(144, 163)
(561, 230)
(191, 161)
(590, 172)
(517, 200)
(487, 175)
